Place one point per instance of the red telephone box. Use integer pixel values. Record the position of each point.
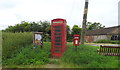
(76, 40)
(58, 37)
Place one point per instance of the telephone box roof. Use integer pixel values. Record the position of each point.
(59, 19)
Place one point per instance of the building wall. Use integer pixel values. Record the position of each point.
(97, 37)
(100, 37)
(89, 39)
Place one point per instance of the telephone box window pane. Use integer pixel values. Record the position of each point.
(57, 40)
(57, 37)
(57, 44)
(57, 26)
(57, 33)
(57, 30)
(57, 47)
(57, 51)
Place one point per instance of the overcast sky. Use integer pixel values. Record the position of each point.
(15, 11)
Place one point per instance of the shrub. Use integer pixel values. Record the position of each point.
(107, 41)
(103, 41)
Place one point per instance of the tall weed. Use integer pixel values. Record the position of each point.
(14, 41)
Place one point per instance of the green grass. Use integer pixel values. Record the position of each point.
(18, 52)
(28, 57)
(86, 57)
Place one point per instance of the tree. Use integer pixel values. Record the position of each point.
(45, 25)
(27, 28)
(68, 31)
(30, 27)
(76, 30)
(94, 26)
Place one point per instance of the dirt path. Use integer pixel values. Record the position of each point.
(52, 66)
(54, 63)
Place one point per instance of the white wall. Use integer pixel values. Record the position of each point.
(97, 37)
(101, 37)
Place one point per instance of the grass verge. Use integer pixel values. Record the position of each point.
(28, 57)
(86, 57)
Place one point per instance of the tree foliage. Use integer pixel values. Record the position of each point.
(30, 27)
(94, 26)
(69, 36)
(45, 27)
(76, 30)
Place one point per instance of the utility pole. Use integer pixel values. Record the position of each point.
(84, 22)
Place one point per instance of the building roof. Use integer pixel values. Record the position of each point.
(105, 31)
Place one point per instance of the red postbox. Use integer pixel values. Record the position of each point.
(58, 37)
(76, 40)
